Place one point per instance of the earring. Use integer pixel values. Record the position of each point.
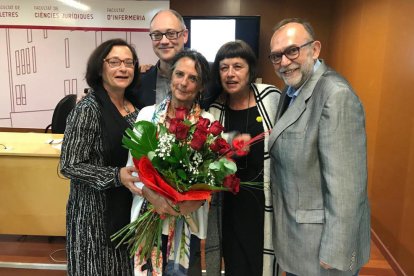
(199, 96)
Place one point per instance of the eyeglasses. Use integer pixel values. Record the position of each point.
(116, 62)
(291, 53)
(157, 36)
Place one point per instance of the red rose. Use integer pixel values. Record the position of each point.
(215, 146)
(181, 131)
(199, 138)
(240, 148)
(181, 112)
(203, 122)
(220, 145)
(216, 128)
(203, 130)
(173, 125)
(232, 182)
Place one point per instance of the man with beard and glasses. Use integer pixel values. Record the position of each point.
(318, 161)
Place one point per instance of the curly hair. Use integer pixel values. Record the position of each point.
(201, 65)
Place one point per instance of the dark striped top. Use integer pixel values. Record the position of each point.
(89, 249)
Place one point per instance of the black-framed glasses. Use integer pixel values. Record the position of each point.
(157, 36)
(116, 62)
(291, 53)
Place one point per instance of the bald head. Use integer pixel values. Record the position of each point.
(168, 21)
(308, 27)
(169, 13)
(297, 50)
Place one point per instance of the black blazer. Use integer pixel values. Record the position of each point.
(145, 94)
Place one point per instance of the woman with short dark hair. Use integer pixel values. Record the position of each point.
(240, 225)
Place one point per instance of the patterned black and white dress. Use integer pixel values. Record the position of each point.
(89, 249)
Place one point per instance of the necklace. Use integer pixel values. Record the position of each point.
(249, 169)
(125, 106)
(192, 114)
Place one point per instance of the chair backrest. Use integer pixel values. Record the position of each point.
(61, 112)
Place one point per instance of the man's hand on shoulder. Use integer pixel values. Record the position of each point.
(143, 68)
(81, 96)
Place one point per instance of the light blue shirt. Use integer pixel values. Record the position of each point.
(292, 93)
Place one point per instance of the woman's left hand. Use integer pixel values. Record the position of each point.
(189, 206)
(129, 180)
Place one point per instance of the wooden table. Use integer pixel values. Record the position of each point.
(33, 194)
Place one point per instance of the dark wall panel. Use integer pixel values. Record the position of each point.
(370, 43)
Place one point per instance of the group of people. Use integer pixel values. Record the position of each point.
(311, 217)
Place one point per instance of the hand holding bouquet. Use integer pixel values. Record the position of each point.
(184, 161)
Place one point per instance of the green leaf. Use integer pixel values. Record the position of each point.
(224, 165)
(206, 187)
(230, 165)
(132, 135)
(151, 155)
(162, 130)
(136, 151)
(158, 163)
(142, 139)
(215, 166)
(181, 173)
(176, 151)
(221, 168)
(171, 159)
(184, 150)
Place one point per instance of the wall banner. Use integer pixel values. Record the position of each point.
(105, 15)
(45, 45)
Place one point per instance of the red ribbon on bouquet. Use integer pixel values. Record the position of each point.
(153, 180)
(241, 147)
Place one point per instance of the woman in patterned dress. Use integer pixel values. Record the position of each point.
(93, 158)
(189, 76)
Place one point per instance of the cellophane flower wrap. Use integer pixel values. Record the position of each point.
(186, 161)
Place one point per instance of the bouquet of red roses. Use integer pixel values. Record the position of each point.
(186, 161)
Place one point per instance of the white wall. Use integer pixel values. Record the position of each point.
(39, 65)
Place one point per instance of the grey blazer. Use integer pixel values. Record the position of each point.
(319, 179)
